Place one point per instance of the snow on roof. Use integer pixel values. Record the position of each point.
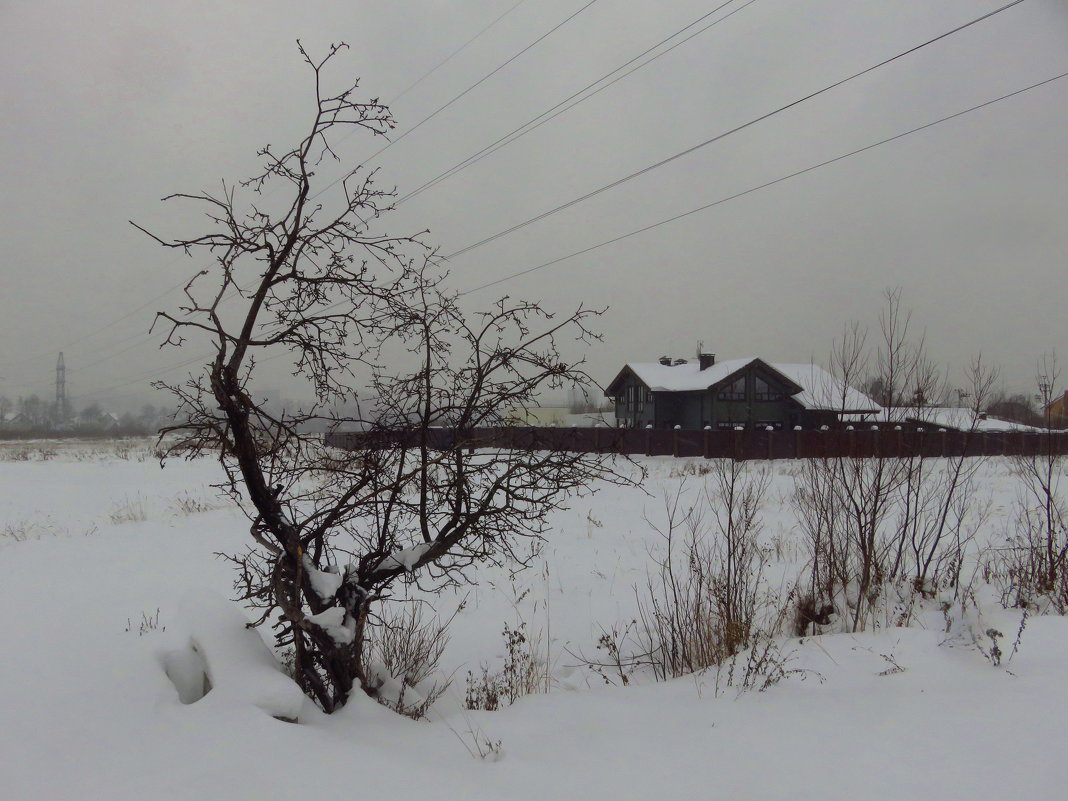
(685, 377)
(949, 417)
(820, 389)
(964, 419)
(823, 391)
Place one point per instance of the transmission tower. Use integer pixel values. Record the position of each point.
(61, 390)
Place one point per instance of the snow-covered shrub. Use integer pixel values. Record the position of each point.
(1031, 570)
(403, 654)
(878, 530)
(705, 599)
(522, 674)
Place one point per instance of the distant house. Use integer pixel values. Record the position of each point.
(20, 423)
(1057, 411)
(556, 417)
(539, 416)
(738, 393)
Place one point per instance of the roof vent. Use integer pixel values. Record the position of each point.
(666, 361)
(679, 361)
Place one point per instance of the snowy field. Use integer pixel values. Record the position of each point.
(108, 569)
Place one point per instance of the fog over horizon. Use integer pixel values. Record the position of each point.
(763, 243)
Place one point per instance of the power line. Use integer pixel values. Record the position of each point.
(724, 135)
(751, 190)
(470, 88)
(566, 105)
(456, 52)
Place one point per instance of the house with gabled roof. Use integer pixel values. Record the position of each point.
(736, 393)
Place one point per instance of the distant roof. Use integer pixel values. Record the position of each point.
(950, 417)
(819, 389)
(963, 419)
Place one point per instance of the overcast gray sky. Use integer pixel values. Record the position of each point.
(107, 107)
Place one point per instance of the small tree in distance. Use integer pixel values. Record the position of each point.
(302, 272)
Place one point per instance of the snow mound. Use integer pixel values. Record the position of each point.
(228, 660)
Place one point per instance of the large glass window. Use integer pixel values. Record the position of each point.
(734, 391)
(763, 391)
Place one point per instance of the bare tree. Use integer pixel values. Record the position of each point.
(863, 516)
(301, 270)
(1038, 561)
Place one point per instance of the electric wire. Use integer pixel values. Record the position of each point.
(75, 343)
(719, 137)
(566, 105)
(454, 53)
(462, 94)
(765, 185)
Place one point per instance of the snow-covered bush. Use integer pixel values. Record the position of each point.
(705, 597)
(403, 654)
(522, 674)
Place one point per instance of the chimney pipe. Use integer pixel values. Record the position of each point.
(706, 360)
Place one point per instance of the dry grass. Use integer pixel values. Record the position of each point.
(129, 510)
(523, 674)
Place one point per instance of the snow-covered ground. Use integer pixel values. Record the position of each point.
(108, 568)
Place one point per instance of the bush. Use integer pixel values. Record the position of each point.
(404, 652)
(521, 675)
(701, 605)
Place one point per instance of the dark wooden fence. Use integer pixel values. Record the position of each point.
(883, 443)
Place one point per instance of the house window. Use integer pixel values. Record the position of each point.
(763, 391)
(764, 425)
(730, 425)
(734, 391)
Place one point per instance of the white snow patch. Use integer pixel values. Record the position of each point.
(240, 668)
(326, 583)
(88, 712)
(333, 620)
(406, 557)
